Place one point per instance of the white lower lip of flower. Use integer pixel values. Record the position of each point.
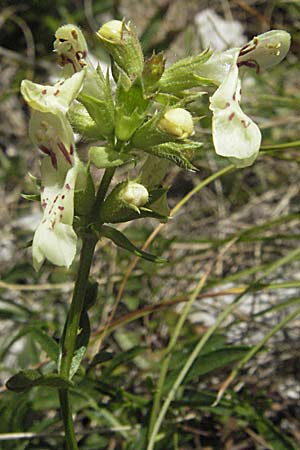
(235, 135)
(55, 238)
(58, 245)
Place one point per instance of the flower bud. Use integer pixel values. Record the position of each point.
(122, 43)
(123, 203)
(111, 31)
(265, 50)
(71, 48)
(135, 194)
(177, 122)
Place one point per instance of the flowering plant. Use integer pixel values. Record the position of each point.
(141, 121)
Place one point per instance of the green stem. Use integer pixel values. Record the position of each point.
(73, 318)
(66, 413)
(72, 322)
(69, 339)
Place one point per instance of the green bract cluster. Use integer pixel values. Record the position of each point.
(142, 116)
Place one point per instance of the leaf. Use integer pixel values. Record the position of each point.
(104, 157)
(121, 358)
(122, 241)
(100, 111)
(76, 361)
(48, 344)
(177, 152)
(206, 363)
(31, 197)
(82, 341)
(90, 295)
(26, 379)
(273, 435)
(101, 358)
(82, 122)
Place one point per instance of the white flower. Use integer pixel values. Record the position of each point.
(265, 50)
(51, 132)
(235, 135)
(55, 238)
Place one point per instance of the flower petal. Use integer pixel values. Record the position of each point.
(53, 135)
(58, 245)
(55, 238)
(235, 135)
(55, 98)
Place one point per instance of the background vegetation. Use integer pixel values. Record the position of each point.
(240, 230)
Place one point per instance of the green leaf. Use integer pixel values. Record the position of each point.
(122, 241)
(100, 112)
(31, 197)
(90, 295)
(273, 436)
(82, 122)
(104, 157)
(101, 358)
(82, 341)
(206, 363)
(84, 197)
(131, 106)
(26, 379)
(177, 152)
(183, 74)
(48, 344)
(76, 361)
(122, 358)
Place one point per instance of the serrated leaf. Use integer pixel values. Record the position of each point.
(176, 152)
(105, 157)
(183, 74)
(26, 379)
(82, 123)
(122, 241)
(100, 112)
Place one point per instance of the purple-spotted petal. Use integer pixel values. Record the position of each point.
(55, 99)
(235, 135)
